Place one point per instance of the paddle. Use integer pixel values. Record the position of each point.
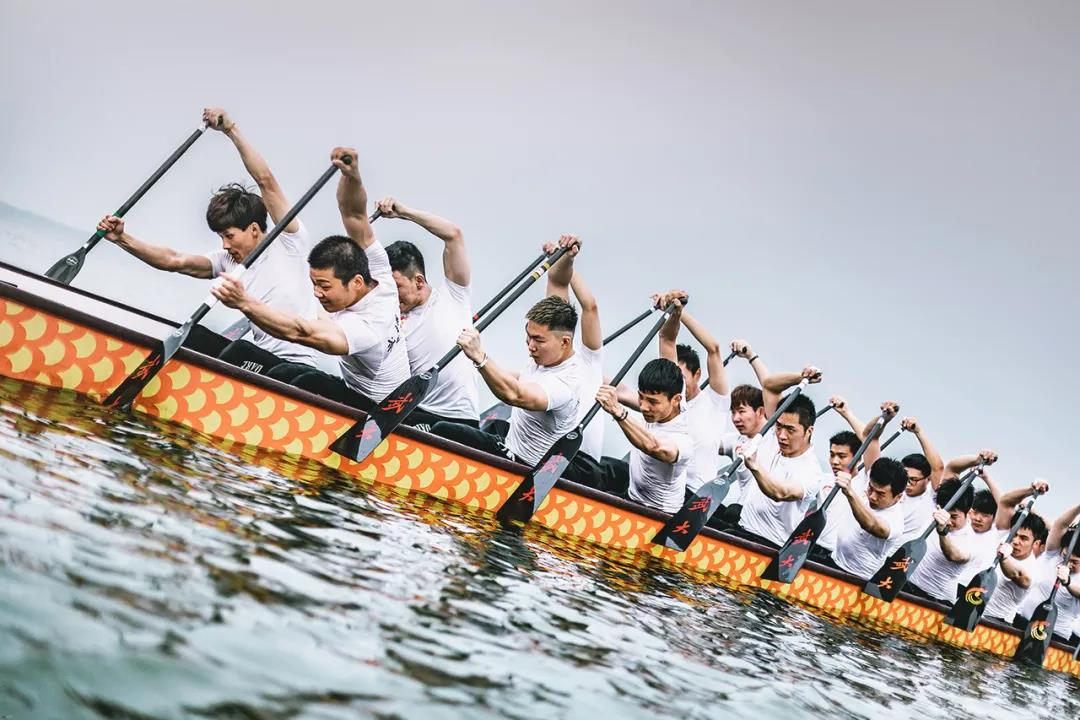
(893, 575)
(685, 525)
(792, 555)
(972, 600)
(884, 445)
(537, 483)
(501, 411)
(513, 283)
(128, 390)
(66, 268)
(362, 438)
(1040, 628)
(705, 383)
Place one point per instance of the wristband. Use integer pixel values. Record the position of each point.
(751, 360)
(625, 414)
(480, 365)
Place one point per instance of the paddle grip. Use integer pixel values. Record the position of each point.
(784, 406)
(965, 482)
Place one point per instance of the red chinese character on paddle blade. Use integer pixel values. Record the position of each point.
(397, 404)
(683, 528)
(788, 561)
(551, 466)
(145, 368)
(530, 495)
(368, 431)
(901, 565)
(803, 538)
(700, 505)
(886, 584)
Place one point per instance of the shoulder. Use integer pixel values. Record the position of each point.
(220, 261)
(297, 243)
(458, 293)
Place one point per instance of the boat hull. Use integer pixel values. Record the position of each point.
(47, 343)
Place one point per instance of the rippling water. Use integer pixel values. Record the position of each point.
(150, 572)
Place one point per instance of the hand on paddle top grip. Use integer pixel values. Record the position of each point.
(391, 207)
(571, 241)
(469, 342)
(1005, 550)
(843, 479)
(941, 519)
(812, 373)
(113, 227)
(1040, 486)
(910, 424)
(609, 400)
(742, 348)
(679, 297)
(351, 170)
(217, 119)
(1063, 574)
(987, 457)
(748, 452)
(837, 402)
(889, 409)
(230, 292)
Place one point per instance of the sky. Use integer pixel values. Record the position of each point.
(886, 190)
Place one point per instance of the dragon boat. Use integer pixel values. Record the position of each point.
(60, 337)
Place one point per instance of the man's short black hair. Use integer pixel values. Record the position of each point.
(803, 406)
(984, 502)
(918, 461)
(949, 488)
(850, 440)
(406, 258)
(341, 255)
(554, 313)
(1035, 523)
(660, 376)
(235, 206)
(688, 356)
(886, 471)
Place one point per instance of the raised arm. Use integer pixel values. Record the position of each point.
(1011, 568)
(867, 520)
(1059, 526)
(592, 336)
(156, 256)
(257, 167)
(668, 338)
(664, 450)
(505, 385)
(1008, 501)
(840, 405)
(937, 465)
(949, 548)
(776, 488)
(561, 273)
(456, 267)
(714, 358)
(889, 409)
(742, 348)
(352, 198)
(956, 466)
(773, 386)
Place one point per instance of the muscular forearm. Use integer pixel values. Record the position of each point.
(669, 337)
(958, 465)
(352, 204)
(438, 226)
(254, 162)
(646, 442)
(323, 335)
(1012, 570)
(714, 357)
(867, 520)
(951, 551)
(937, 465)
(156, 256)
(776, 489)
(507, 388)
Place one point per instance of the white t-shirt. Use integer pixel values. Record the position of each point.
(861, 553)
(839, 516)
(591, 374)
(431, 330)
(938, 576)
(533, 432)
(1068, 605)
(918, 512)
(764, 516)
(1008, 595)
(708, 415)
(729, 441)
(280, 280)
(656, 483)
(986, 545)
(377, 361)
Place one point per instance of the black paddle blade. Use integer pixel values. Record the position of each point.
(124, 395)
(498, 411)
(536, 485)
(972, 600)
(363, 437)
(1076, 652)
(65, 269)
(790, 558)
(893, 575)
(684, 526)
(1036, 638)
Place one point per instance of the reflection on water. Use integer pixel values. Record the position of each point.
(149, 572)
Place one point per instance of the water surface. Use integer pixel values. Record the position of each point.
(147, 571)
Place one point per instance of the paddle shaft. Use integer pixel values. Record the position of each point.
(613, 336)
(874, 432)
(1024, 512)
(767, 427)
(705, 382)
(502, 293)
(630, 361)
(885, 444)
(145, 187)
(1068, 554)
(965, 482)
(508, 300)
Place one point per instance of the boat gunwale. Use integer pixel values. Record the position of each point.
(233, 372)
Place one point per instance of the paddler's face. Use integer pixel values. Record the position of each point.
(410, 290)
(980, 521)
(239, 243)
(916, 482)
(748, 420)
(957, 519)
(839, 457)
(333, 294)
(880, 496)
(658, 407)
(1022, 544)
(691, 381)
(791, 436)
(546, 347)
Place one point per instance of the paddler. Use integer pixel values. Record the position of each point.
(360, 321)
(278, 279)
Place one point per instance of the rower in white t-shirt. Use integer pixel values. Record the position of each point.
(278, 278)
(748, 417)
(706, 411)
(1019, 566)
(433, 316)
(786, 471)
(947, 556)
(352, 281)
(877, 519)
(1056, 567)
(662, 450)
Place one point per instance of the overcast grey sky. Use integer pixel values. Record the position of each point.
(887, 190)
